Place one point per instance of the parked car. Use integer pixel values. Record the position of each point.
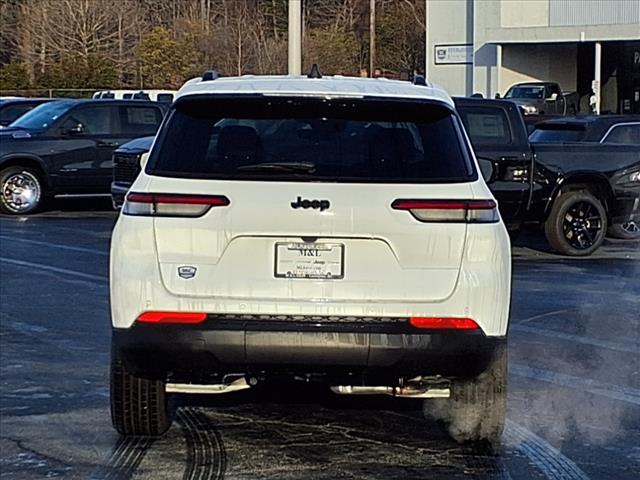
(13, 108)
(542, 98)
(126, 167)
(575, 189)
(327, 229)
(609, 129)
(65, 147)
(618, 129)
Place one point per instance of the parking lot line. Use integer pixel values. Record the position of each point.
(49, 268)
(615, 392)
(618, 347)
(55, 245)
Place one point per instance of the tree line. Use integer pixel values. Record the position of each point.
(160, 43)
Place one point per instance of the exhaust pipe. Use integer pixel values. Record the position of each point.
(236, 385)
(409, 391)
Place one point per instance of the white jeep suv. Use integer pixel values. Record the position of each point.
(326, 229)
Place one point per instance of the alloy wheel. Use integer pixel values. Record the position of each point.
(582, 225)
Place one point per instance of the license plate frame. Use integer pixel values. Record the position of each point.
(324, 262)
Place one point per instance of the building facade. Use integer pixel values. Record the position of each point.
(588, 46)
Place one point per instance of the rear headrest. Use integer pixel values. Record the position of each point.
(390, 150)
(238, 143)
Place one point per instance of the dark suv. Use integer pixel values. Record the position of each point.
(66, 146)
(126, 167)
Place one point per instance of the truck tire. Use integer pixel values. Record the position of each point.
(625, 231)
(577, 223)
(138, 405)
(477, 407)
(21, 190)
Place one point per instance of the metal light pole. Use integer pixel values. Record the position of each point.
(597, 86)
(295, 37)
(372, 36)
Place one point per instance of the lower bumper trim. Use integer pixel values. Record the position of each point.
(336, 349)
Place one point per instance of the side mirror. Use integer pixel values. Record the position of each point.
(552, 98)
(487, 169)
(75, 130)
(497, 95)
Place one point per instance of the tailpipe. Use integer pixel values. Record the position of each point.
(408, 391)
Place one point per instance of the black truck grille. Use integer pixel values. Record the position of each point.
(126, 167)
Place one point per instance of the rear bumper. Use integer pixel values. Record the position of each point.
(118, 192)
(372, 349)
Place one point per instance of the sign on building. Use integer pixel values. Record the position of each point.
(453, 54)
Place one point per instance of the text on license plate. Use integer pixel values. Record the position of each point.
(309, 260)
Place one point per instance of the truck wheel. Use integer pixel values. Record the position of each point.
(20, 191)
(577, 223)
(477, 408)
(626, 231)
(138, 405)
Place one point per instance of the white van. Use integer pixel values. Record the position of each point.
(163, 96)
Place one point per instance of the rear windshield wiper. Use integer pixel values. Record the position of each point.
(295, 167)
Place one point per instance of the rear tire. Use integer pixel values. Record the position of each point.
(625, 231)
(577, 223)
(477, 407)
(138, 405)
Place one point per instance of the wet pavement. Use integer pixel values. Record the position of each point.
(574, 381)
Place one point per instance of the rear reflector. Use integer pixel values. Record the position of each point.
(172, 317)
(443, 323)
(457, 211)
(171, 205)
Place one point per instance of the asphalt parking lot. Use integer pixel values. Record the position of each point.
(574, 381)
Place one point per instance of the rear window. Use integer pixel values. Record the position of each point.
(139, 120)
(165, 97)
(558, 133)
(532, 93)
(486, 125)
(312, 139)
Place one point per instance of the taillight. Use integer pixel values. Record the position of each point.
(171, 205)
(443, 323)
(456, 211)
(172, 317)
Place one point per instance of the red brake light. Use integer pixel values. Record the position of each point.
(171, 205)
(172, 317)
(460, 211)
(443, 323)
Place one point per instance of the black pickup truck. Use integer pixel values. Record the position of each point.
(575, 189)
(65, 148)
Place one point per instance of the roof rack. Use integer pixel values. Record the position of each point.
(314, 72)
(420, 80)
(210, 75)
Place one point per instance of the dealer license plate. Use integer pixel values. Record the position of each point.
(309, 260)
